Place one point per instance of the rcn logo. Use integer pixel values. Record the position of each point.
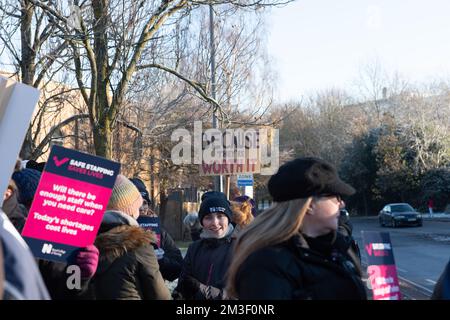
(47, 248)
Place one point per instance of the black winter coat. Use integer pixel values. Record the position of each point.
(170, 264)
(442, 288)
(55, 277)
(291, 270)
(207, 260)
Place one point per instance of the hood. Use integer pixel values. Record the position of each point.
(113, 218)
(118, 241)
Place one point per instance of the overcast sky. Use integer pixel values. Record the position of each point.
(318, 44)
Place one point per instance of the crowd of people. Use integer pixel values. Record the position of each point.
(299, 248)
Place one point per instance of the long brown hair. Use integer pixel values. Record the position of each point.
(275, 225)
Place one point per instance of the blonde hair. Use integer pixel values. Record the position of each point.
(275, 225)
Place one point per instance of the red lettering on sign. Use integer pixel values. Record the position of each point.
(369, 249)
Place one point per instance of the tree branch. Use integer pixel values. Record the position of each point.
(195, 85)
(51, 58)
(79, 77)
(94, 73)
(152, 26)
(49, 10)
(49, 135)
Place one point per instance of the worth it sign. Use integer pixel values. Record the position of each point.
(227, 168)
(227, 151)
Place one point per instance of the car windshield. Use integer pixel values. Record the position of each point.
(401, 208)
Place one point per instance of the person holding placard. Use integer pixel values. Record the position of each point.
(128, 268)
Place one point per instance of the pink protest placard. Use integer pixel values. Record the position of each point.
(381, 268)
(69, 203)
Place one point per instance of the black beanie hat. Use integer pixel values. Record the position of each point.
(305, 177)
(27, 181)
(214, 202)
(216, 194)
(142, 189)
(39, 166)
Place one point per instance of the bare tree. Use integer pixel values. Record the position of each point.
(159, 101)
(375, 86)
(35, 57)
(108, 41)
(323, 126)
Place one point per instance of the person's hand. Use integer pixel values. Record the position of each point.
(190, 286)
(87, 260)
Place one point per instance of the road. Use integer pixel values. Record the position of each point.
(420, 253)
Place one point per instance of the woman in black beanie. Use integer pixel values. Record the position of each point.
(207, 260)
(293, 249)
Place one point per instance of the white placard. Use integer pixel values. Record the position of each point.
(17, 103)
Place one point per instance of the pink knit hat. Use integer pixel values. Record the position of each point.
(125, 197)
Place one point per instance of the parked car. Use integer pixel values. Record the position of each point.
(398, 214)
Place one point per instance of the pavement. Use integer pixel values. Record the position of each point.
(438, 216)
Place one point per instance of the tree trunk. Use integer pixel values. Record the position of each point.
(28, 56)
(103, 135)
(152, 179)
(27, 66)
(27, 147)
(103, 140)
(366, 209)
